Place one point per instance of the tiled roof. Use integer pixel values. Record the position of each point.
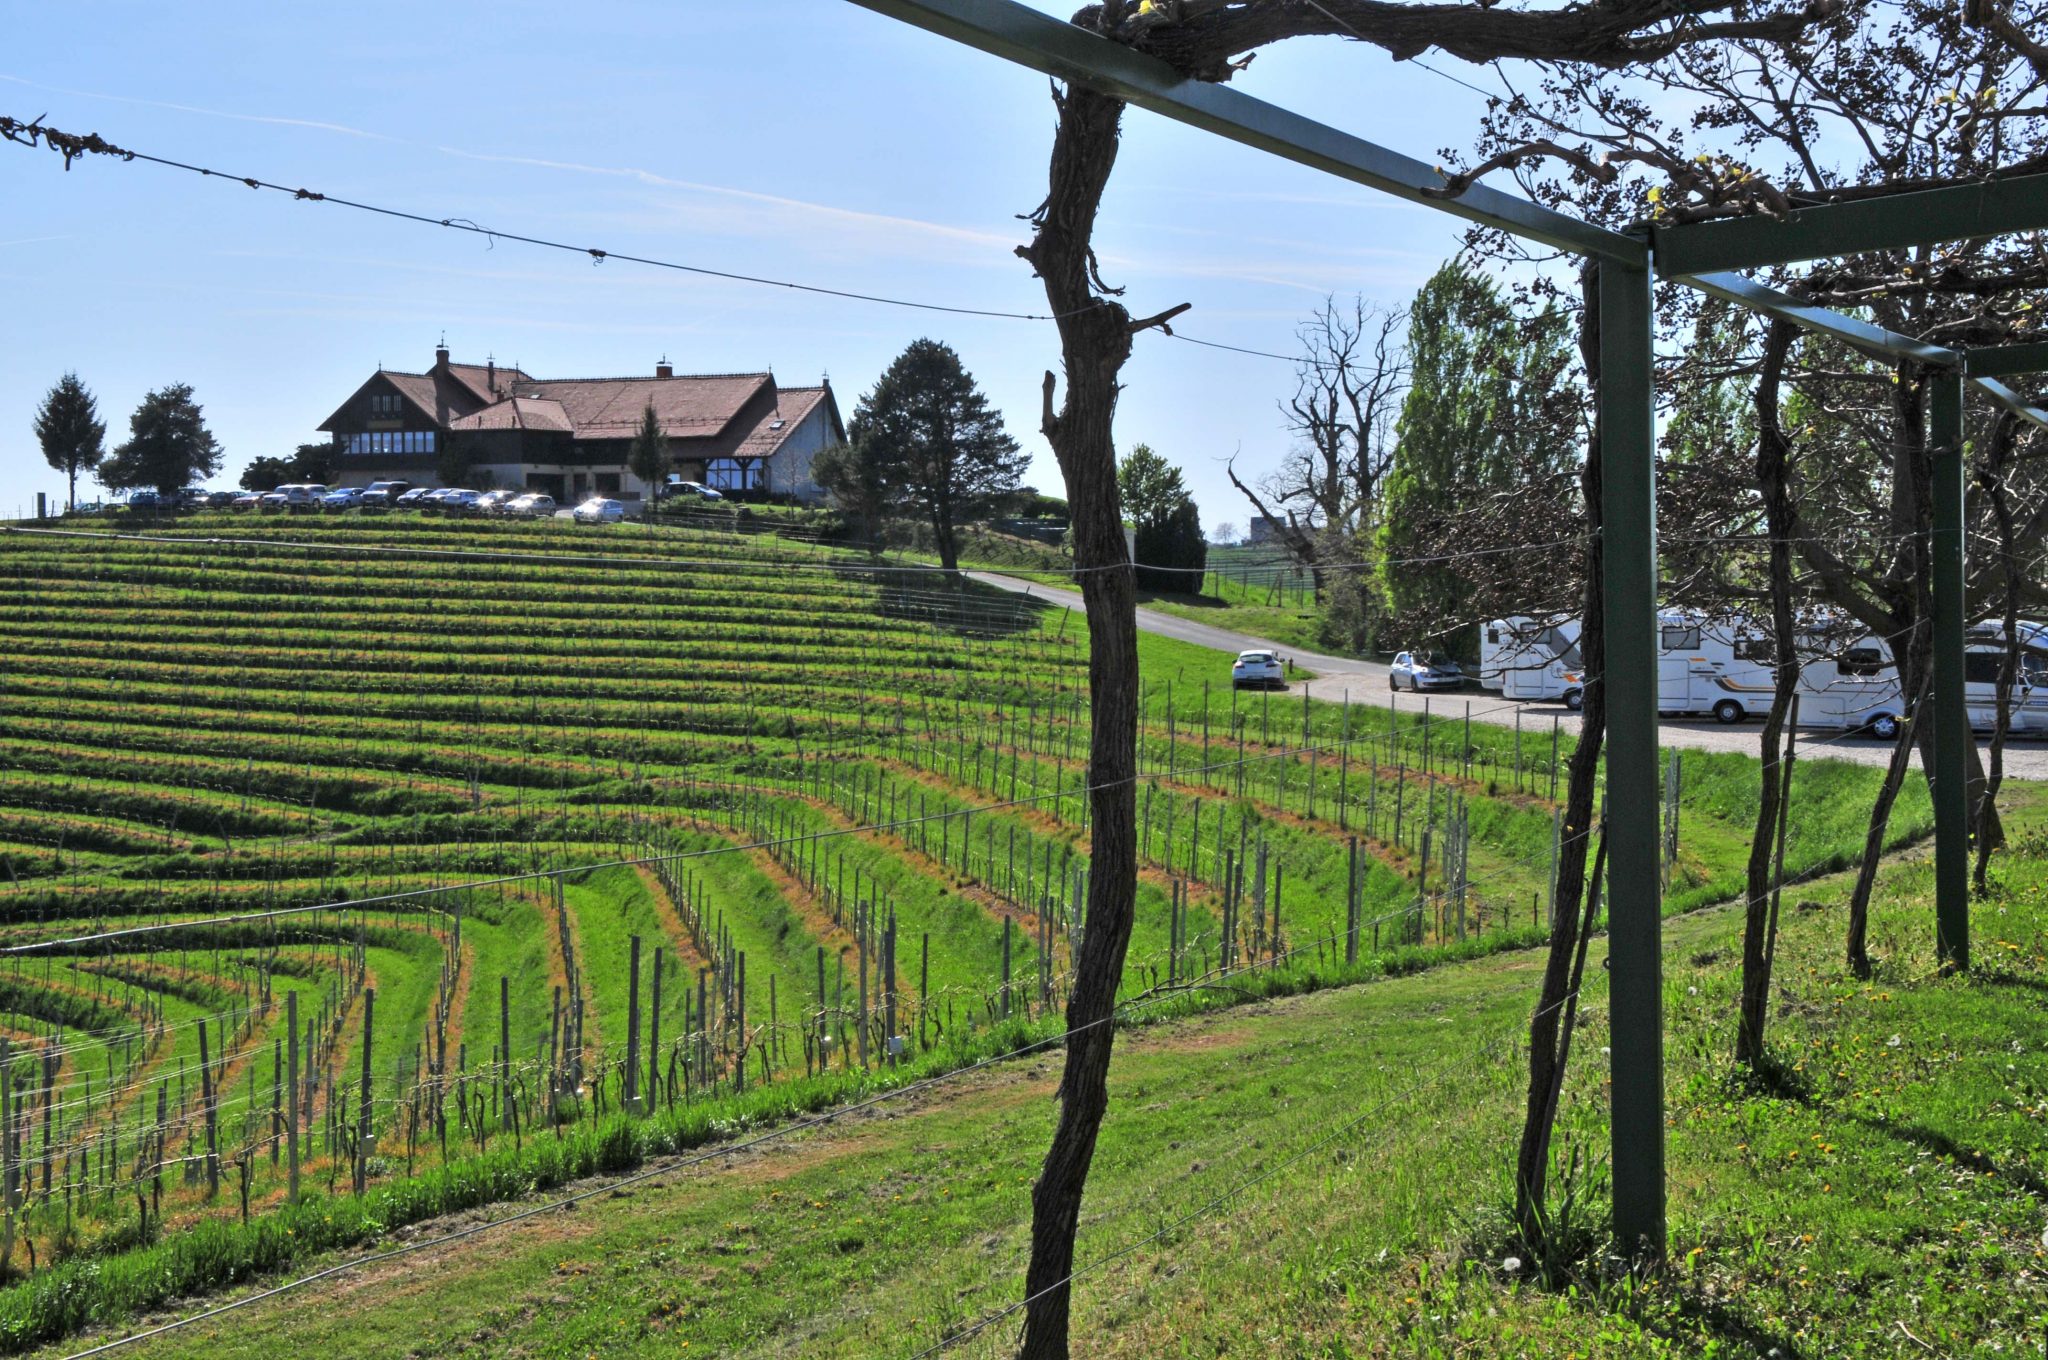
(709, 415)
(479, 379)
(791, 406)
(517, 413)
(688, 407)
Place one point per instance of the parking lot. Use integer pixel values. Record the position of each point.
(1338, 679)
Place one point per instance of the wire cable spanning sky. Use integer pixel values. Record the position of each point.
(751, 143)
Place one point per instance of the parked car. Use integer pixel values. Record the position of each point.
(145, 500)
(295, 496)
(220, 500)
(383, 495)
(697, 489)
(598, 510)
(415, 498)
(342, 498)
(494, 502)
(248, 500)
(1257, 670)
(532, 505)
(456, 500)
(1425, 670)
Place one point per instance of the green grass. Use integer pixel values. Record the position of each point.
(1883, 1200)
(196, 727)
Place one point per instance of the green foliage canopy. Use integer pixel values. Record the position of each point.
(70, 432)
(168, 446)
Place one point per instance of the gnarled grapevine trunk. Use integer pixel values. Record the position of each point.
(1095, 340)
(1548, 1037)
(1759, 921)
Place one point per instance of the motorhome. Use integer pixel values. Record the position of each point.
(1527, 658)
(1852, 683)
(1709, 665)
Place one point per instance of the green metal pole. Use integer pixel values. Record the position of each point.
(1628, 502)
(1951, 711)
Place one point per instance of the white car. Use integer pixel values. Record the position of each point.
(598, 510)
(294, 496)
(1424, 670)
(1257, 670)
(533, 505)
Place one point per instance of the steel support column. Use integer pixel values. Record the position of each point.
(1951, 711)
(1628, 504)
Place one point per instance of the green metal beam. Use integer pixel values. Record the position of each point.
(2010, 400)
(1057, 48)
(1635, 950)
(2004, 361)
(1875, 341)
(1959, 212)
(1951, 711)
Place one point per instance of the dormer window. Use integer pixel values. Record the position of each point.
(384, 406)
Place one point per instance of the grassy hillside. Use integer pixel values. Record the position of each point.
(1325, 1176)
(464, 764)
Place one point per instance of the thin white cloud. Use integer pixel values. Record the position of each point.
(30, 241)
(342, 128)
(826, 211)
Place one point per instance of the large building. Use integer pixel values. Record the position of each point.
(735, 432)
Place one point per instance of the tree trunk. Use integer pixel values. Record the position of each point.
(1095, 340)
(1759, 922)
(1857, 945)
(1995, 491)
(1546, 1026)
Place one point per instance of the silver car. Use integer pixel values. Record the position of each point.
(599, 510)
(1424, 670)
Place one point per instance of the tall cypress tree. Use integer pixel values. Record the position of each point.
(647, 458)
(72, 435)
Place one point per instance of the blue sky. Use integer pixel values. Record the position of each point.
(811, 140)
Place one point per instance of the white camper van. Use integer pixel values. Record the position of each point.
(1716, 666)
(1854, 686)
(1527, 658)
(1850, 683)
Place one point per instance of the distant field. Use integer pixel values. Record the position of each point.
(465, 764)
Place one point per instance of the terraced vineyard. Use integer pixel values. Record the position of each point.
(440, 860)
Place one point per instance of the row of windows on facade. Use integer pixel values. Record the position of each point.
(385, 406)
(392, 441)
(721, 474)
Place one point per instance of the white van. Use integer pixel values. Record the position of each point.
(1527, 658)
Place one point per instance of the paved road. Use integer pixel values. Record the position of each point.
(1339, 677)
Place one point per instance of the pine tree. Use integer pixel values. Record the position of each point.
(933, 444)
(168, 444)
(72, 435)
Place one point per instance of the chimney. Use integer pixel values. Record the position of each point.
(441, 357)
(663, 369)
(491, 373)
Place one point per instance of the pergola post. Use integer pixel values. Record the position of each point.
(1951, 713)
(1628, 505)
